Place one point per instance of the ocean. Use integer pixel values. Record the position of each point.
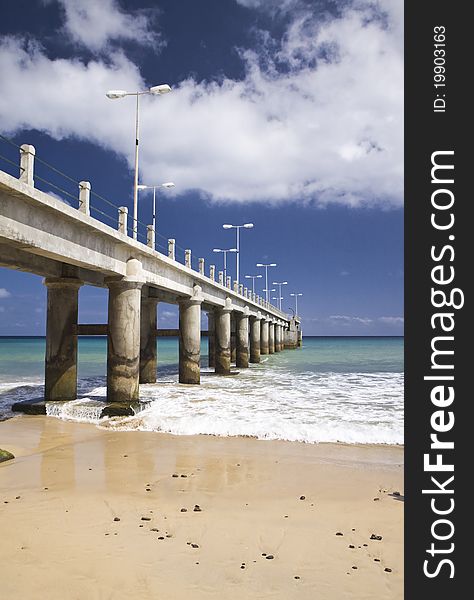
(330, 390)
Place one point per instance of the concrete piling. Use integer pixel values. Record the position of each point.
(271, 338)
(211, 339)
(61, 339)
(190, 338)
(222, 337)
(233, 344)
(242, 340)
(148, 326)
(264, 336)
(255, 339)
(123, 343)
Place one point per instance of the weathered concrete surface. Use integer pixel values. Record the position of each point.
(242, 340)
(222, 327)
(271, 338)
(255, 339)
(61, 339)
(211, 340)
(292, 334)
(277, 337)
(123, 344)
(148, 326)
(264, 337)
(190, 338)
(233, 342)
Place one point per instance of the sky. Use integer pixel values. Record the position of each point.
(284, 113)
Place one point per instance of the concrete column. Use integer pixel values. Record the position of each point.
(172, 249)
(84, 197)
(61, 339)
(122, 219)
(264, 336)
(222, 328)
(190, 338)
(148, 326)
(233, 344)
(211, 339)
(255, 339)
(123, 343)
(271, 338)
(27, 161)
(212, 272)
(242, 340)
(277, 338)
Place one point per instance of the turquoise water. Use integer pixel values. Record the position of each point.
(332, 389)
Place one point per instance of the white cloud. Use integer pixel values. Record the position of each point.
(4, 293)
(94, 24)
(347, 320)
(392, 320)
(317, 118)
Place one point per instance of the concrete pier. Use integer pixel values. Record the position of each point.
(271, 338)
(148, 326)
(61, 339)
(222, 336)
(264, 336)
(190, 338)
(242, 340)
(211, 339)
(255, 339)
(233, 342)
(123, 343)
(277, 337)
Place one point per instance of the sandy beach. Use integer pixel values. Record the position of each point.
(89, 513)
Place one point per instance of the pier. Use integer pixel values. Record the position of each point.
(70, 248)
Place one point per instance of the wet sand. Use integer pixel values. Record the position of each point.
(88, 513)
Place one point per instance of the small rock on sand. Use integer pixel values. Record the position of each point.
(197, 508)
(116, 519)
(175, 475)
(194, 546)
(184, 510)
(302, 497)
(339, 533)
(146, 518)
(269, 557)
(375, 537)
(387, 570)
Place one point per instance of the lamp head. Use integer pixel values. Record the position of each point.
(216, 250)
(272, 265)
(232, 250)
(248, 225)
(142, 187)
(115, 94)
(160, 89)
(168, 184)
(227, 226)
(259, 265)
(259, 276)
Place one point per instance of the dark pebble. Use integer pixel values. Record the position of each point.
(354, 567)
(194, 546)
(175, 475)
(115, 533)
(387, 570)
(297, 577)
(106, 533)
(161, 537)
(184, 510)
(269, 556)
(154, 529)
(351, 546)
(286, 516)
(140, 526)
(45, 488)
(264, 553)
(147, 490)
(302, 497)
(365, 545)
(169, 535)
(375, 499)
(116, 519)
(396, 494)
(146, 518)
(375, 537)
(353, 529)
(125, 455)
(17, 497)
(197, 508)
(183, 475)
(339, 533)
(5, 502)
(242, 566)
(376, 559)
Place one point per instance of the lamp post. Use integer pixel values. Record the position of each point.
(238, 228)
(253, 278)
(266, 276)
(279, 284)
(296, 302)
(167, 185)
(156, 90)
(224, 252)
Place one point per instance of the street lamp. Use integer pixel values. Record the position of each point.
(266, 275)
(253, 278)
(279, 284)
(167, 185)
(224, 252)
(156, 90)
(296, 302)
(238, 228)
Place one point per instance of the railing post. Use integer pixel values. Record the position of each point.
(27, 161)
(187, 258)
(201, 266)
(236, 287)
(150, 236)
(212, 272)
(123, 218)
(221, 277)
(229, 282)
(84, 197)
(172, 249)
(241, 289)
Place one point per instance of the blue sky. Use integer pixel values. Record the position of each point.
(287, 114)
